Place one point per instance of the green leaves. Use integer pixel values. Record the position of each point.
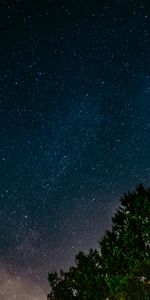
(121, 269)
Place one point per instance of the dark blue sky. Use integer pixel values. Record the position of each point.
(75, 128)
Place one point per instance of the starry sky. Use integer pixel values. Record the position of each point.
(75, 129)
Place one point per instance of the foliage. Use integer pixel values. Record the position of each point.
(121, 267)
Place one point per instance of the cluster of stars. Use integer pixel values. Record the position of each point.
(75, 128)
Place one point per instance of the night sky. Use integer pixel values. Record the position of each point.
(75, 129)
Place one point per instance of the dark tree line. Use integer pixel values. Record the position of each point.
(121, 267)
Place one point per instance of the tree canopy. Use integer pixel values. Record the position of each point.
(120, 269)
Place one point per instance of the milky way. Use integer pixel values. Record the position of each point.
(75, 130)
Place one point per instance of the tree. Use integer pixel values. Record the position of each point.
(81, 281)
(126, 248)
(121, 267)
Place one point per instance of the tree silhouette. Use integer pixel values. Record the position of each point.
(121, 267)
